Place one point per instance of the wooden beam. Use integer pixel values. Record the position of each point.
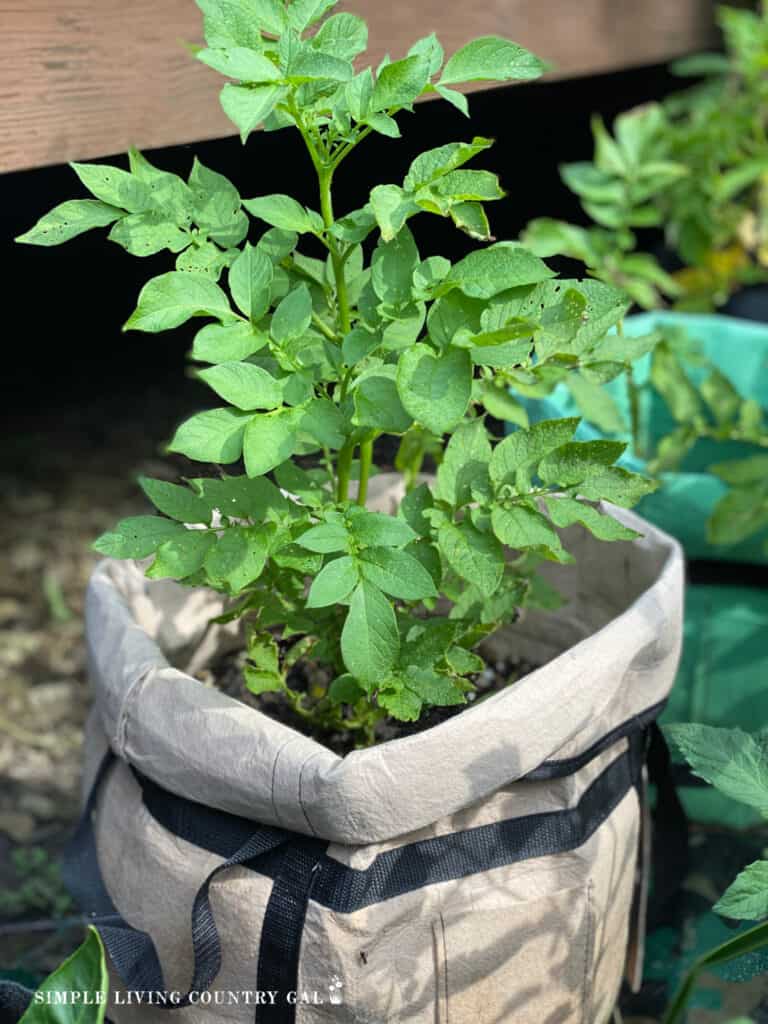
(88, 78)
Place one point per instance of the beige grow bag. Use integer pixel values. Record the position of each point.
(481, 872)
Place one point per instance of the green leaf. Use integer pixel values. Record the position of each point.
(400, 83)
(396, 573)
(567, 511)
(334, 583)
(412, 507)
(674, 385)
(212, 436)
(475, 556)
(400, 702)
(463, 661)
(324, 423)
(435, 388)
(746, 899)
(250, 281)
(471, 218)
(376, 529)
(84, 973)
(520, 527)
(177, 502)
(277, 243)
(732, 761)
(181, 555)
(739, 472)
(326, 538)
(114, 186)
(237, 558)
(721, 396)
(217, 206)
(464, 467)
(304, 485)
(173, 298)
(502, 405)
(377, 402)
(270, 439)
(136, 537)
(247, 106)
(617, 485)
(434, 688)
(392, 207)
(262, 672)
(68, 220)
(244, 385)
(430, 48)
(574, 462)
(345, 690)
(227, 343)
(392, 268)
(293, 316)
(431, 165)
(303, 13)
(168, 192)
(206, 259)
(370, 642)
(455, 98)
(282, 211)
(738, 515)
(342, 35)
(241, 497)
(144, 234)
(486, 272)
(241, 23)
(595, 404)
(358, 344)
(241, 63)
(524, 448)
(491, 58)
(478, 185)
(308, 65)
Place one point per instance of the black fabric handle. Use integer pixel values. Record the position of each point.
(132, 951)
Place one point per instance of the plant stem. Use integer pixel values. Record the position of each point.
(343, 471)
(366, 461)
(633, 397)
(325, 178)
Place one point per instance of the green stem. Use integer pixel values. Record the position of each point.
(633, 398)
(344, 471)
(323, 327)
(366, 461)
(325, 178)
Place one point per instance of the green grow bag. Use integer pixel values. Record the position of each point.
(723, 677)
(683, 503)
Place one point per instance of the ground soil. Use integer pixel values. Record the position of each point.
(228, 676)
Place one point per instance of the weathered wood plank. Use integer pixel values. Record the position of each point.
(85, 78)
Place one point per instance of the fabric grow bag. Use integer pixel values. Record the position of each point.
(480, 871)
(683, 503)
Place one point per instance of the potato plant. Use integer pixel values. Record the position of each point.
(628, 185)
(326, 330)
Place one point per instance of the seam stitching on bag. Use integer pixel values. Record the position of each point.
(131, 697)
(589, 953)
(442, 995)
(272, 796)
(304, 764)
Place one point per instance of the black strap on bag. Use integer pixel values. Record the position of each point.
(670, 861)
(132, 951)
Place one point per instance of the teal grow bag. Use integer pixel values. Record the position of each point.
(686, 497)
(723, 677)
